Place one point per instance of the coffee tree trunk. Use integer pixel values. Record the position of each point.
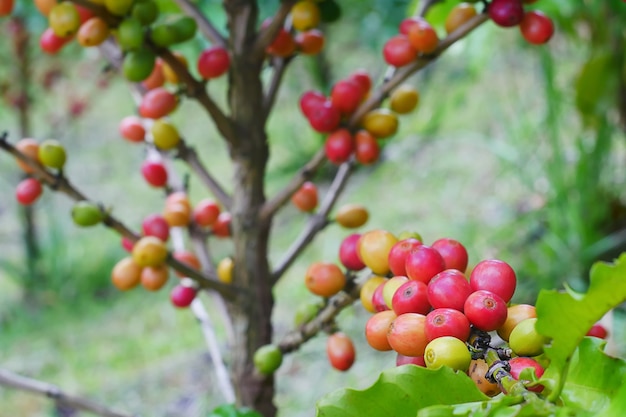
(249, 152)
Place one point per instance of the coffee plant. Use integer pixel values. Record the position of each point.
(462, 348)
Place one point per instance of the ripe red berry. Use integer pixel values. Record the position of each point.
(283, 45)
(324, 117)
(536, 27)
(127, 244)
(453, 253)
(449, 289)
(340, 351)
(131, 128)
(495, 276)
(378, 300)
(28, 191)
(182, 296)
(305, 198)
(398, 51)
(310, 42)
(506, 13)
(205, 212)
(157, 103)
(411, 297)
(447, 322)
(598, 330)
(154, 173)
(485, 310)
(399, 252)
(410, 360)
(367, 150)
(155, 225)
(346, 96)
(213, 62)
(407, 23)
(50, 43)
(363, 79)
(348, 254)
(423, 263)
(339, 146)
(221, 227)
(520, 363)
(310, 100)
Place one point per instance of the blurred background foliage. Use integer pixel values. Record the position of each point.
(516, 150)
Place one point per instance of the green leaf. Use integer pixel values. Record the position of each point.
(594, 378)
(566, 317)
(595, 87)
(401, 392)
(230, 410)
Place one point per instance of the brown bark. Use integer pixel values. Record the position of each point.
(249, 152)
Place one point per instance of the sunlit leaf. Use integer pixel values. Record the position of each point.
(566, 317)
(594, 378)
(401, 392)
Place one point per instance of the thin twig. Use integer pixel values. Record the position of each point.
(266, 35)
(60, 183)
(317, 222)
(294, 339)
(279, 65)
(204, 24)
(13, 380)
(425, 5)
(190, 156)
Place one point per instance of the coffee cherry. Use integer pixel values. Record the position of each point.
(64, 19)
(376, 330)
(495, 276)
(520, 363)
(366, 148)
(305, 198)
(363, 79)
(155, 225)
(28, 191)
(398, 254)
(305, 313)
(213, 62)
(453, 253)
(536, 27)
(410, 360)
(390, 288)
(398, 51)
(126, 274)
(423, 263)
(182, 296)
(348, 254)
(156, 78)
(155, 173)
(86, 213)
(346, 96)
(51, 43)
(165, 136)
(460, 14)
(447, 351)
(52, 154)
(339, 146)
(352, 216)
(305, 15)
(324, 279)
(404, 99)
(310, 42)
(221, 227)
(407, 334)
(340, 351)
(157, 103)
(382, 123)
(423, 37)
(188, 258)
(324, 117)
(149, 251)
(138, 65)
(378, 300)
(93, 32)
(449, 289)
(598, 330)
(524, 340)
(515, 315)
(206, 212)
(6, 7)
(411, 297)
(506, 13)
(131, 128)
(477, 370)
(267, 359)
(310, 100)
(225, 270)
(367, 292)
(374, 247)
(153, 278)
(283, 45)
(485, 310)
(447, 322)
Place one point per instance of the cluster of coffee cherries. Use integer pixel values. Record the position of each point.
(428, 309)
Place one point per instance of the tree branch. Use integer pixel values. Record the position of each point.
(279, 66)
(204, 24)
(62, 184)
(294, 339)
(13, 380)
(317, 222)
(190, 156)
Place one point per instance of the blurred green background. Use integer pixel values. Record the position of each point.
(516, 150)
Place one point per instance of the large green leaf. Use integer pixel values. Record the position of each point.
(566, 317)
(594, 378)
(401, 392)
(230, 410)
(595, 87)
